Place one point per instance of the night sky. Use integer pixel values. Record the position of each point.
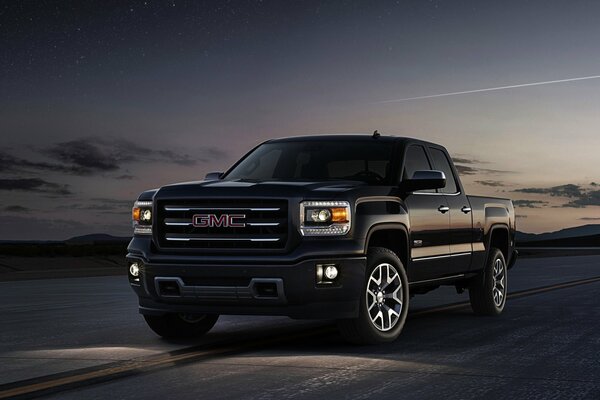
(102, 100)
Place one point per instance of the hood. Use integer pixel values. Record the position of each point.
(278, 189)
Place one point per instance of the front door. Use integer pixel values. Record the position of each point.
(430, 236)
(461, 223)
(429, 222)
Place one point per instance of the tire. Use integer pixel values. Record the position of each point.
(181, 326)
(372, 326)
(487, 291)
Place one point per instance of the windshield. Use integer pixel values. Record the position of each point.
(317, 160)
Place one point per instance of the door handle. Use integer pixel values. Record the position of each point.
(443, 209)
(466, 209)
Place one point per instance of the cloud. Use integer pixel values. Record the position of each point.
(103, 205)
(96, 155)
(491, 183)
(125, 177)
(9, 163)
(568, 190)
(34, 185)
(470, 166)
(465, 170)
(529, 203)
(591, 198)
(114, 202)
(17, 209)
(580, 196)
(85, 155)
(465, 160)
(105, 155)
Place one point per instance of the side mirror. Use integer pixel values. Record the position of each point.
(424, 180)
(213, 176)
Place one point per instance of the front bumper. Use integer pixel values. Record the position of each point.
(236, 288)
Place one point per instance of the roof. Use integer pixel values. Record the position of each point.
(348, 138)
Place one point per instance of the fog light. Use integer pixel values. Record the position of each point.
(331, 272)
(327, 274)
(134, 270)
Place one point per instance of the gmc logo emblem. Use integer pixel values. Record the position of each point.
(218, 221)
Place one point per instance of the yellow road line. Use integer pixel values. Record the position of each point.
(145, 364)
(515, 295)
(105, 372)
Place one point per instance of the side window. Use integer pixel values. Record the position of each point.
(416, 160)
(442, 164)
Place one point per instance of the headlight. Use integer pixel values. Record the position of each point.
(324, 218)
(141, 214)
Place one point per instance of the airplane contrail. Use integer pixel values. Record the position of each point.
(431, 96)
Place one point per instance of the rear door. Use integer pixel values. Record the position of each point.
(461, 223)
(429, 222)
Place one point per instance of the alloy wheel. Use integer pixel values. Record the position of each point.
(384, 297)
(499, 288)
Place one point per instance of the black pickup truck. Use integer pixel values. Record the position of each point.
(341, 227)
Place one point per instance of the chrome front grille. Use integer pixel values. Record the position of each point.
(203, 224)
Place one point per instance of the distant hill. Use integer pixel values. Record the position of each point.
(99, 238)
(101, 243)
(579, 236)
(97, 244)
(579, 241)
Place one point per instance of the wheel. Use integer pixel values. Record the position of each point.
(487, 291)
(179, 326)
(383, 303)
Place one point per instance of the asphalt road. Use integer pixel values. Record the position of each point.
(546, 345)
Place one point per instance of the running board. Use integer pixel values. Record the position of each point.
(436, 280)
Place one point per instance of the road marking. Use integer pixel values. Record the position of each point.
(46, 385)
(83, 377)
(514, 295)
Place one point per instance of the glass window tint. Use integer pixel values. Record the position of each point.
(416, 160)
(356, 167)
(442, 164)
(366, 161)
(263, 165)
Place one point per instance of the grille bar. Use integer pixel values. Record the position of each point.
(181, 223)
(263, 223)
(260, 224)
(170, 208)
(189, 239)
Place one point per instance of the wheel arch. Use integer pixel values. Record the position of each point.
(393, 236)
(499, 237)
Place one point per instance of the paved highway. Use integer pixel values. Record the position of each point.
(81, 338)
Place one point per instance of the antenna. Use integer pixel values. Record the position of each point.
(376, 134)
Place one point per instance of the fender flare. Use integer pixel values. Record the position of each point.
(495, 227)
(388, 226)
